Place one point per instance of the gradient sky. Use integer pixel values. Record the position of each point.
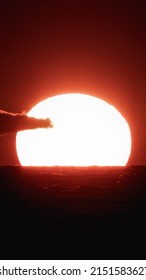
(94, 47)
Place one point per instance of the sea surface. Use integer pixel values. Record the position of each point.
(72, 212)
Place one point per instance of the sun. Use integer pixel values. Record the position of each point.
(87, 132)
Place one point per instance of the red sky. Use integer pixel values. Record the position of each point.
(94, 47)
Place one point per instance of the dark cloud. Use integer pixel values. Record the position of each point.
(10, 122)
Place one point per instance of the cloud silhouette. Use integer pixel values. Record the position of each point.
(10, 122)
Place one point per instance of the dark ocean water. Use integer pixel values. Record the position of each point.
(72, 213)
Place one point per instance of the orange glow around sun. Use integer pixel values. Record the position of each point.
(87, 131)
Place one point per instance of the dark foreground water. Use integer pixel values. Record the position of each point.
(72, 213)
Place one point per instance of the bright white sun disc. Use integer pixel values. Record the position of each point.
(87, 131)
